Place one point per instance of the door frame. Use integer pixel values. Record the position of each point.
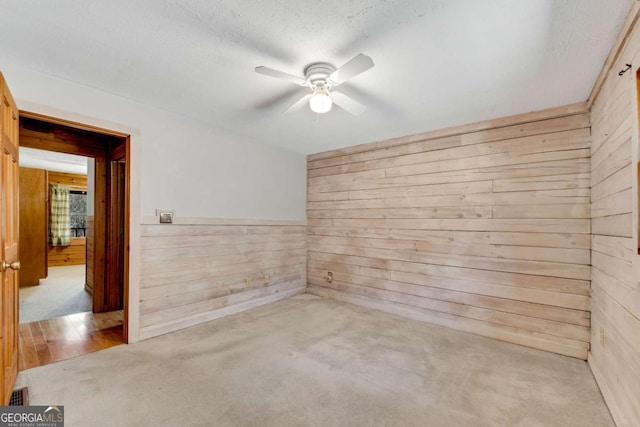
(126, 141)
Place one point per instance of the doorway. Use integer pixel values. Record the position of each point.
(105, 233)
(53, 274)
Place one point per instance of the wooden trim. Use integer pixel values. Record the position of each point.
(63, 139)
(567, 110)
(616, 50)
(9, 243)
(72, 124)
(177, 220)
(90, 241)
(127, 238)
(116, 247)
(134, 258)
(100, 233)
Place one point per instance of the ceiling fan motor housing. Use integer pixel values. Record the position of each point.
(318, 73)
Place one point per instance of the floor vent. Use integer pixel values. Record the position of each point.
(20, 397)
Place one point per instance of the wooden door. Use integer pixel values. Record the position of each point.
(9, 263)
(33, 209)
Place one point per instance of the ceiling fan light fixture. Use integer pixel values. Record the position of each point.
(321, 101)
(321, 77)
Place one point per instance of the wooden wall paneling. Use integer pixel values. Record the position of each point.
(468, 307)
(511, 334)
(512, 239)
(427, 143)
(560, 225)
(33, 225)
(34, 220)
(194, 273)
(484, 228)
(613, 184)
(532, 302)
(622, 42)
(497, 150)
(378, 179)
(77, 182)
(90, 267)
(116, 247)
(523, 150)
(74, 254)
(614, 355)
(568, 110)
(614, 225)
(573, 293)
(99, 234)
(121, 153)
(395, 248)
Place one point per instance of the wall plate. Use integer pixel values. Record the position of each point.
(166, 217)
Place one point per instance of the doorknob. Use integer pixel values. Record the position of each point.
(12, 265)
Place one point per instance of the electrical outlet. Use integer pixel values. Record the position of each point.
(266, 279)
(248, 281)
(329, 277)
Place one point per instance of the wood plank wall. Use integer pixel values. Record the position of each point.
(75, 253)
(615, 320)
(77, 182)
(192, 273)
(484, 228)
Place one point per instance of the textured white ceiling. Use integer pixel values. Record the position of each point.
(439, 63)
(52, 161)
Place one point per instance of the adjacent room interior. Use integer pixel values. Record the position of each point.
(56, 211)
(53, 277)
(372, 214)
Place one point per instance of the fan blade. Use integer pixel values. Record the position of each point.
(298, 104)
(347, 103)
(358, 64)
(281, 75)
(281, 99)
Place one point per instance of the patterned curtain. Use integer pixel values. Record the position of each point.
(59, 223)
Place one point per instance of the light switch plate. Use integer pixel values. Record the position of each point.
(166, 217)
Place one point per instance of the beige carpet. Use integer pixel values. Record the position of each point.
(61, 293)
(308, 361)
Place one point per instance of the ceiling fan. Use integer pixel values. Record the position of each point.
(321, 77)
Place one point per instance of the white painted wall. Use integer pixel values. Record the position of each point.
(184, 165)
(176, 163)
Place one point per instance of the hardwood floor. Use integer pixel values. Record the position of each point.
(47, 341)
